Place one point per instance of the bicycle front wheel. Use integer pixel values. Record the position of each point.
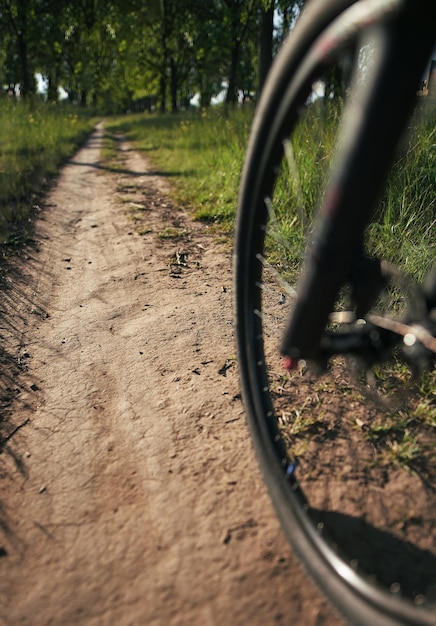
(353, 481)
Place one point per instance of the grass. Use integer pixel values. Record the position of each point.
(406, 436)
(406, 212)
(388, 436)
(35, 139)
(201, 151)
(109, 152)
(172, 233)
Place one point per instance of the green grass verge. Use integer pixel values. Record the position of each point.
(35, 139)
(406, 223)
(405, 219)
(203, 154)
(201, 151)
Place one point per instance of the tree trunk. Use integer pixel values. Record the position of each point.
(164, 51)
(52, 89)
(266, 27)
(27, 79)
(163, 90)
(232, 89)
(173, 85)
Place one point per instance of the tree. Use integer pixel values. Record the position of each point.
(287, 12)
(17, 21)
(115, 53)
(266, 30)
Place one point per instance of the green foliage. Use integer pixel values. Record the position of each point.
(406, 211)
(122, 55)
(202, 152)
(409, 204)
(35, 139)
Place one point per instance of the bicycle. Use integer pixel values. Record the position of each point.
(347, 452)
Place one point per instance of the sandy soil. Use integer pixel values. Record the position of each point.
(130, 494)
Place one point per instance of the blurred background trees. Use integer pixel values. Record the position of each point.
(120, 55)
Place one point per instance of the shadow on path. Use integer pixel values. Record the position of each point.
(380, 556)
(108, 168)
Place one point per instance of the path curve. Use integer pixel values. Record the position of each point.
(129, 491)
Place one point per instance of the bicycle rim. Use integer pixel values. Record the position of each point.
(348, 458)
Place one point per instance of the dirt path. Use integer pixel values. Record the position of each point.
(129, 491)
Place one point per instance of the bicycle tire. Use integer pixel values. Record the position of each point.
(358, 597)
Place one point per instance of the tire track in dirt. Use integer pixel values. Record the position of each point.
(130, 495)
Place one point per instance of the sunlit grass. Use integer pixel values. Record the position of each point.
(405, 219)
(35, 139)
(406, 222)
(200, 151)
(202, 154)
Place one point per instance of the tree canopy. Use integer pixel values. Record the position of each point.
(133, 54)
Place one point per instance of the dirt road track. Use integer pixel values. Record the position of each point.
(129, 491)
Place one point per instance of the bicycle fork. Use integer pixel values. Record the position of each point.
(375, 118)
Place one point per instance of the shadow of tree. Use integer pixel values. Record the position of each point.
(15, 389)
(120, 170)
